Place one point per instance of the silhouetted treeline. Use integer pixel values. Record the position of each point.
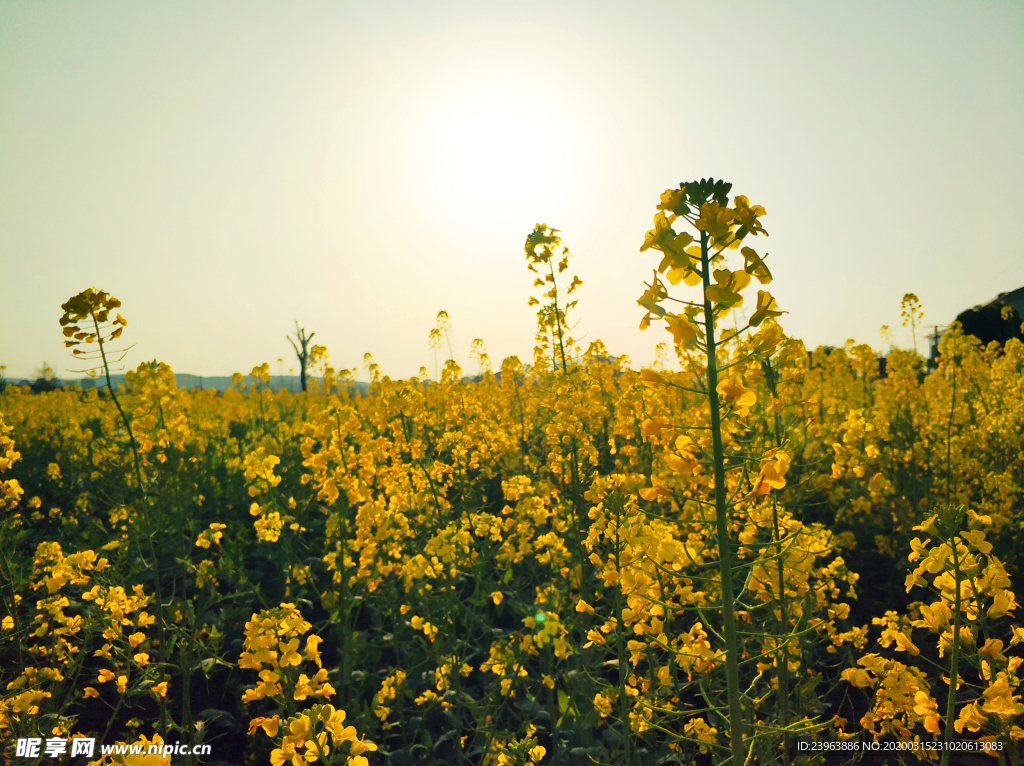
(986, 323)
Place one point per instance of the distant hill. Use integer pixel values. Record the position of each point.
(184, 380)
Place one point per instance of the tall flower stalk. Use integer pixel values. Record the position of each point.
(704, 206)
(87, 321)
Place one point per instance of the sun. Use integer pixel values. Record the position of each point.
(498, 148)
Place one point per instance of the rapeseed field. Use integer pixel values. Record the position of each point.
(750, 553)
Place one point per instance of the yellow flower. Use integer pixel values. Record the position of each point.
(269, 725)
(359, 746)
(1003, 603)
(312, 651)
(935, 617)
(728, 287)
(211, 535)
(928, 709)
(1000, 701)
(740, 398)
(298, 730)
(321, 687)
(773, 474)
(715, 220)
(970, 717)
(289, 655)
(698, 729)
(286, 754)
(904, 644)
(333, 720)
(755, 266)
(302, 687)
(766, 307)
(747, 216)
(993, 649)
(857, 677)
(268, 527)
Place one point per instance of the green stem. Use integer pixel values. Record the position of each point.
(146, 516)
(732, 674)
(558, 320)
(117, 403)
(620, 629)
(783, 658)
(185, 657)
(949, 438)
(954, 656)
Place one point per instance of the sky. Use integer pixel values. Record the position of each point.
(228, 168)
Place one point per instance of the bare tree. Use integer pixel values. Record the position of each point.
(303, 355)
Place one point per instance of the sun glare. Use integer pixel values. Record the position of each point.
(497, 148)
